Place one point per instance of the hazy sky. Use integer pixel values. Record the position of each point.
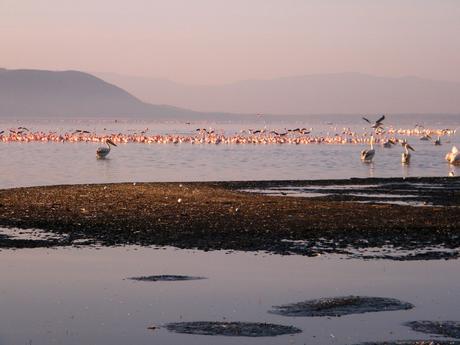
(219, 41)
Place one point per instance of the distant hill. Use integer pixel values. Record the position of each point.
(34, 93)
(345, 93)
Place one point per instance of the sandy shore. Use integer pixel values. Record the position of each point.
(219, 216)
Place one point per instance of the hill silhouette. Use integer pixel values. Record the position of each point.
(36, 93)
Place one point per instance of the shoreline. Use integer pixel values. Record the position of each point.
(217, 215)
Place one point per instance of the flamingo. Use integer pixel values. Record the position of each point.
(368, 155)
(102, 152)
(453, 157)
(405, 156)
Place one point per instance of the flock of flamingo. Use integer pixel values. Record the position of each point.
(379, 135)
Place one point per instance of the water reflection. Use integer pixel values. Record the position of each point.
(80, 296)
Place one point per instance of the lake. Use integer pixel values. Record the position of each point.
(37, 163)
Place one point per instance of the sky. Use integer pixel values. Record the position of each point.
(222, 41)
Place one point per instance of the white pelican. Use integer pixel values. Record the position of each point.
(405, 156)
(453, 157)
(102, 152)
(367, 155)
(378, 124)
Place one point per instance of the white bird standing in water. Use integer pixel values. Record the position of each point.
(367, 155)
(453, 157)
(405, 156)
(102, 152)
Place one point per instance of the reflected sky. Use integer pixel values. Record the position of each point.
(80, 296)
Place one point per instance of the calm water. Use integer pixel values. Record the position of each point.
(67, 163)
(79, 296)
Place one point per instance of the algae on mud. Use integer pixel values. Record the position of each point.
(165, 278)
(449, 329)
(232, 329)
(340, 306)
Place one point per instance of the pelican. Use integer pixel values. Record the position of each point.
(367, 155)
(102, 152)
(378, 124)
(405, 156)
(453, 157)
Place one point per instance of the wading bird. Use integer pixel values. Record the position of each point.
(453, 157)
(405, 156)
(102, 152)
(368, 155)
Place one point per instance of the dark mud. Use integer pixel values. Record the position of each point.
(13, 243)
(339, 306)
(232, 329)
(414, 342)
(213, 216)
(449, 329)
(165, 278)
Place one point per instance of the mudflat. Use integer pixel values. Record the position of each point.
(218, 215)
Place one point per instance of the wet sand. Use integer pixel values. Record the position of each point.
(218, 215)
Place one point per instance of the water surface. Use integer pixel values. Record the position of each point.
(30, 164)
(81, 296)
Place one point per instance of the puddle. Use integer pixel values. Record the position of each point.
(340, 306)
(397, 202)
(395, 193)
(282, 192)
(332, 186)
(381, 195)
(232, 329)
(165, 278)
(449, 329)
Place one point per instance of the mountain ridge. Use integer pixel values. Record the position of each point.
(30, 92)
(334, 93)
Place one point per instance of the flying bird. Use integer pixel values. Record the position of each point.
(378, 124)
